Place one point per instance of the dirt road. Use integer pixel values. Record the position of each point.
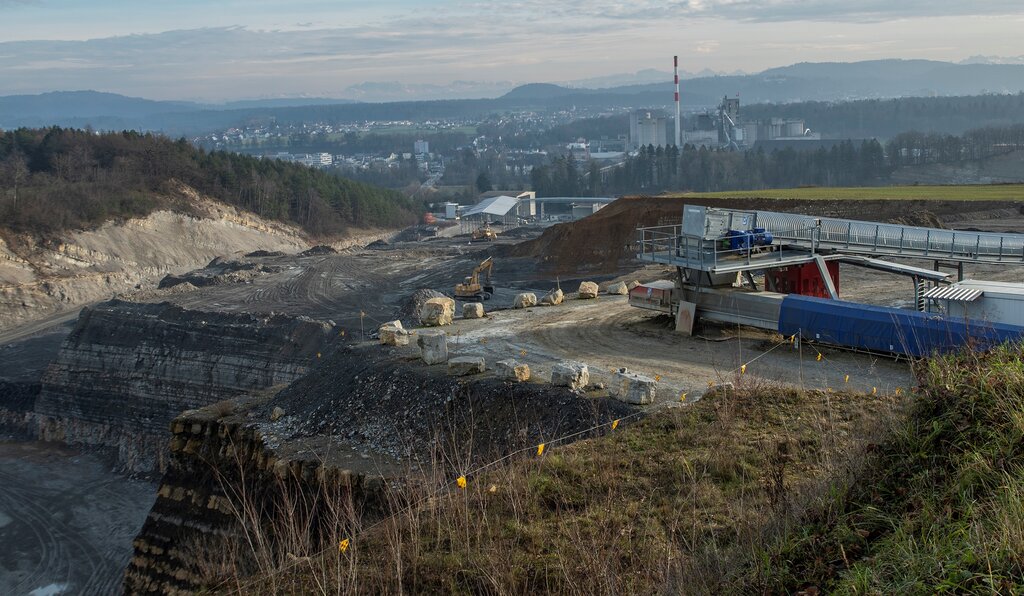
(607, 334)
(66, 520)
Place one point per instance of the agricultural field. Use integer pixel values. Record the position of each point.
(962, 192)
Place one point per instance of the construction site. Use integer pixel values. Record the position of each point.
(363, 361)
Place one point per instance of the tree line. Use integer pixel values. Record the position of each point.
(55, 179)
(868, 163)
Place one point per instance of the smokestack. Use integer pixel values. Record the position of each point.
(675, 69)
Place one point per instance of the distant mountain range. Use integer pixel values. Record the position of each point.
(799, 82)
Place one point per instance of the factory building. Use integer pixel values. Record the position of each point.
(726, 128)
(647, 127)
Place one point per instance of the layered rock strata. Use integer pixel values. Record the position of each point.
(128, 369)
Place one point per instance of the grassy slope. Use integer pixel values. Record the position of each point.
(995, 192)
(939, 507)
(680, 499)
(764, 491)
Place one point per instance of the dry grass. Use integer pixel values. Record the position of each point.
(682, 499)
(937, 508)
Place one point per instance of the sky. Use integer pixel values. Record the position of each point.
(237, 49)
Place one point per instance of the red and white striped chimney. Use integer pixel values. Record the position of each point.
(675, 68)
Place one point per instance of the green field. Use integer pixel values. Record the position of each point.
(978, 192)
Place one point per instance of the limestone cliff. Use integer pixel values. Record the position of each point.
(127, 369)
(42, 276)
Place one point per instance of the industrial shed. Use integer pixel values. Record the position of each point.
(991, 301)
(500, 210)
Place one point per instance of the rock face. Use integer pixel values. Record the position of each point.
(127, 369)
(618, 288)
(588, 289)
(512, 370)
(552, 298)
(632, 388)
(393, 334)
(433, 347)
(207, 452)
(466, 365)
(574, 375)
(472, 310)
(525, 300)
(437, 312)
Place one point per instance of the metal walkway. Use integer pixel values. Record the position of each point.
(701, 244)
(892, 240)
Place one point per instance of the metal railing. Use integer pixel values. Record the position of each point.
(880, 239)
(667, 244)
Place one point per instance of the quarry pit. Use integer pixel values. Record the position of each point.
(288, 340)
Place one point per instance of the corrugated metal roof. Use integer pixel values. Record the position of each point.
(499, 206)
(954, 292)
(993, 287)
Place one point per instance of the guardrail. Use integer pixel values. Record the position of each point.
(880, 239)
(668, 244)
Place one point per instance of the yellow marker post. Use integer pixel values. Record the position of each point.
(846, 379)
(343, 545)
(682, 396)
(819, 357)
(460, 482)
(657, 377)
(743, 369)
(898, 391)
(318, 354)
(540, 450)
(874, 391)
(615, 424)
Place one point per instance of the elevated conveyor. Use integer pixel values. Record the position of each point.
(701, 241)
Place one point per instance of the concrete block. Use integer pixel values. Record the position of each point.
(574, 375)
(393, 334)
(472, 310)
(588, 289)
(686, 316)
(525, 300)
(466, 365)
(433, 347)
(618, 288)
(437, 312)
(552, 298)
(512, 370)
(632, 388)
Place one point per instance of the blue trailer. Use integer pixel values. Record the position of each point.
(881, 329)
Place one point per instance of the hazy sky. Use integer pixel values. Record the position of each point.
(209, 50)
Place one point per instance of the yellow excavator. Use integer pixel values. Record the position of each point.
(471, 289)
(485, 233)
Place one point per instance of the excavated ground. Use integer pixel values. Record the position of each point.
(605, 241)
(359, 400)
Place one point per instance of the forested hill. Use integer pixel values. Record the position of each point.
(56, 179)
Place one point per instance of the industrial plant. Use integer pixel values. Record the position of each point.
(780, 272)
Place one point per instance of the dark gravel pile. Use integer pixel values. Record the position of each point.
(219, 272)
(320, 249)
(409, 311)
(265, 253)
(371, 399)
